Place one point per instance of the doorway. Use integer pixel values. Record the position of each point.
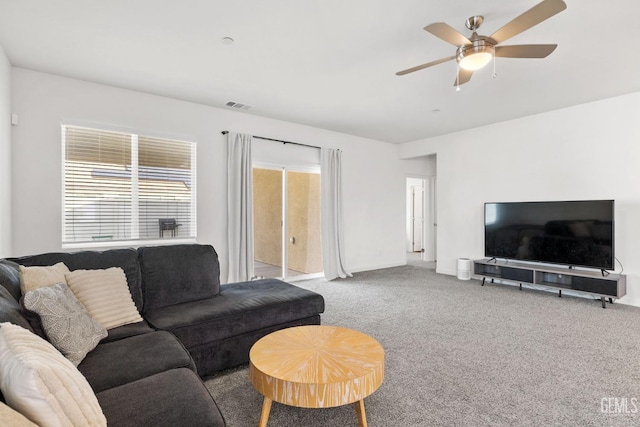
(286, 212)
(421, 222)
(415, 210)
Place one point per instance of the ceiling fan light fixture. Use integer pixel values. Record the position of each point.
(475, 61)
(476, 56)
(477, 51)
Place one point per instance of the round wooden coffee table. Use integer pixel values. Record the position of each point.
(316, 367)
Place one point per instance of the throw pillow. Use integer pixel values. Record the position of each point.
(37, 381)
(38, 277)
(9, 417)
(106, 296)
(65, 321)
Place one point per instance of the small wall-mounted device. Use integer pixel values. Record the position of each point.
(15, 119)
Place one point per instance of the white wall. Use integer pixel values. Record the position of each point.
(373, 176)
(590, 151)
(5, 155)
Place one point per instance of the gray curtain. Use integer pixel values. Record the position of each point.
(333, 252)
(239, 207)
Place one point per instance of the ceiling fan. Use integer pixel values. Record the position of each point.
(477, 51)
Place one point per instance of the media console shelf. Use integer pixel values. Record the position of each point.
(585, 281)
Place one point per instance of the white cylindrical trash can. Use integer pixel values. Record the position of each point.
(464, 268)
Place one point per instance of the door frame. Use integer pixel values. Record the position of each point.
(429, 209)
(284, 169)
(431, 230)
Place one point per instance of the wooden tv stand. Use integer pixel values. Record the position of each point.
(585, 281)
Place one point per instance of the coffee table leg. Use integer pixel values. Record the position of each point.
(266, 408)
(362, 417)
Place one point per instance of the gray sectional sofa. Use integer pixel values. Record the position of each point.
(149, 373)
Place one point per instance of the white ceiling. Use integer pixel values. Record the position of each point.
(329, 63)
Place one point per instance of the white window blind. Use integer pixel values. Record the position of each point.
(123, 186)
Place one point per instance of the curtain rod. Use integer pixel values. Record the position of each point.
(224, 132)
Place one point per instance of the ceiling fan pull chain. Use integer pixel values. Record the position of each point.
(494, 75)
(457, 77)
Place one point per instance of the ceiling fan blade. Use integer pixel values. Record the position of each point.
(525, 50)
(463, 77)
(423, 66)
(447, 33)
(528, 19)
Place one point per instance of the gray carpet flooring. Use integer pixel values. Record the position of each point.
(458, 354)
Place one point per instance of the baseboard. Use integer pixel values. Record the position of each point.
(309, 276)
(376, 267)
(447, 272)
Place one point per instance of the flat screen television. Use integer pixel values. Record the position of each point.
(574, 233)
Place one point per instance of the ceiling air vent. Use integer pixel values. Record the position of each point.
(238, 105)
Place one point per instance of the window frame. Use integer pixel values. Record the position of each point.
(131, 242)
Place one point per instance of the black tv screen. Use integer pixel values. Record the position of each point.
(575, 233)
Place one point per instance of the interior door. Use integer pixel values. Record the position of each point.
(417, 218)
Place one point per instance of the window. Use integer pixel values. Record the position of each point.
(123, 187)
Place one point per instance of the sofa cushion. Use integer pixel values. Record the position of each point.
(234, 351)
(10, 310)
(65, 321)
(126, 331)
(106, 295)
(119, 362)
(37, 381)
(178, 273)
(127, 259)
(10, 277)
(172, 398)
(239, 308)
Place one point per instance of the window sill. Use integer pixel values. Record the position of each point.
(117, 244)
